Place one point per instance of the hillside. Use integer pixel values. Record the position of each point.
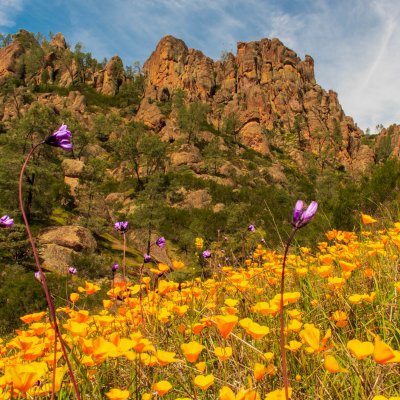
(184, 147)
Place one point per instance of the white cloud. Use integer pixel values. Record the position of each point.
(8, 10)
(362, 64)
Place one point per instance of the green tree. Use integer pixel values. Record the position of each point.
(153, 152)
(384, 148)
(231, 126)
(193, 118)
(104, 125)
(127, 148)
(83, 62)
(131, 92)
(213, 155)
(91, 200)
(149, 213)
(5, 40)
(14, 243)
(43, 180)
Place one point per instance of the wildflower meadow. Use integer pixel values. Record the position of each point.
(286, 322)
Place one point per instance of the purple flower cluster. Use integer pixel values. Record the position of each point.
(301, 218)
(161, 242)
(251, 228)
(207, 253)
(38, 276)
(121, 226)
(146, 258)
(6, 222)
(72, 270)
(114, 267)
(60, 138)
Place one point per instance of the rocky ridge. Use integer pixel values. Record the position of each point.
(268, 87)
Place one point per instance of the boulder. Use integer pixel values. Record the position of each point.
(197, 199)
(72, 183)
(251, 136)
(186, 155)
(150, 115)
(72, 168)
(71, 237)
(56, 258)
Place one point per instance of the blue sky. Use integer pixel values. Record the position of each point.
(355, 43)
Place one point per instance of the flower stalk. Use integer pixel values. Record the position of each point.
(299, 220)
(122, 227)
(63, 144)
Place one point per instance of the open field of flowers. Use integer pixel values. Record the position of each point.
(218, 338)
(301, 323)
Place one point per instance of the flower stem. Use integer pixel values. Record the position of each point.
(42, 277)
(282, 320)
(124, 259)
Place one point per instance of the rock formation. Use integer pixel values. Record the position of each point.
(267, 86)
(271, 92)
(58, 244)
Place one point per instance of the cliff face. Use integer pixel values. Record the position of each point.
(269, 88)
(26, 58)
(271, 93)
(387, 144)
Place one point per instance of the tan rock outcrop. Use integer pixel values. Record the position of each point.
(58, 244)
(72, 168)
(56, 258)
(186, 155)
(113, 76)
(269, 89)
(59, 42)
(9, 56)
(197, 199)
(266, 85)
(387, 142)
(150, 115)
(72, 237)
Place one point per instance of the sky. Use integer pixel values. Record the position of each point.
(355, 43)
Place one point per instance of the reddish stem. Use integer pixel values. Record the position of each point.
(282, 320)
(42, 277)
(124, 259)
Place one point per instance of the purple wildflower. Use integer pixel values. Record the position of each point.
(121, 226)
(161, 242)
(207, 253)
(72, 270)
(114, 267)
(38, 276)
(6, 222)
(297, 212)
(301, 218)
(60, 138)
(146, 258)
(251, 228)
